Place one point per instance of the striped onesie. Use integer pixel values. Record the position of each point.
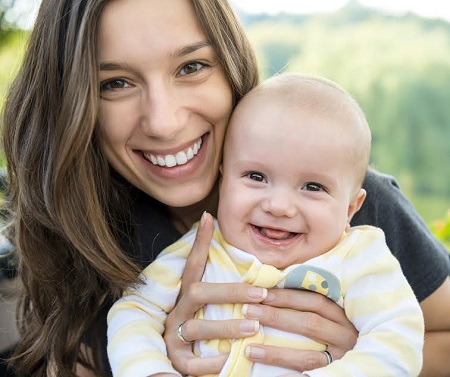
(359, 273)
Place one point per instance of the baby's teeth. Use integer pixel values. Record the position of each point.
(190, 153)
(153, 159)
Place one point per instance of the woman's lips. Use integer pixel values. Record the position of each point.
(179, 158)
(185, 171)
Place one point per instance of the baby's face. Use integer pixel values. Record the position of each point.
(288, 184)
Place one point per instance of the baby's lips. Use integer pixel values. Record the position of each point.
(276, 234)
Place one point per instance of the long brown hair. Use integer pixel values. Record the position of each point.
(66, 207)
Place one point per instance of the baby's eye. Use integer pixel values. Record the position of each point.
(114, 84)
(191, 68)
(256, 176)
(311, 186)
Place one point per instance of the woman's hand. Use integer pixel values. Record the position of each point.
(194, 295)
(302, 312)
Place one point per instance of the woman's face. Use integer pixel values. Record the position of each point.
(165, 101)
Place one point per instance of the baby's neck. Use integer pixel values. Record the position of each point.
(184, 217)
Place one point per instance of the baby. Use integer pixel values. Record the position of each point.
(295, 156)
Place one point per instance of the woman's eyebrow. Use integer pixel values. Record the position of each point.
(112, 66)
(182, 51)
(185, 50)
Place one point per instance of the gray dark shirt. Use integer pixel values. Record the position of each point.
(424, 260)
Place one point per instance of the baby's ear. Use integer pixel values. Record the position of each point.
(356, 204)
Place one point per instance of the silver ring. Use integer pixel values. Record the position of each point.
(328, 356)
(180, 334)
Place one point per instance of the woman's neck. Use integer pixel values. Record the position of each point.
(184, 217)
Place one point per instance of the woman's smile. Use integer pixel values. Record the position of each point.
(173, 159)
(177, 163)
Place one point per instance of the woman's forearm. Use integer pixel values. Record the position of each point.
(435, 308)
(436, 353)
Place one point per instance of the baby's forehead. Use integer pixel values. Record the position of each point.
(305, 92)
(329, 111)
(309, 93)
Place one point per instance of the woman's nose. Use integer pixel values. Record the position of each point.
(280, 205)
(163, 115)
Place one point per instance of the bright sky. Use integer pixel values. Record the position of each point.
(426, 8)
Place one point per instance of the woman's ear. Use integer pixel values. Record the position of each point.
(355, 204)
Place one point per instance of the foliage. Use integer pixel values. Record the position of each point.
(441, 230)
(5, 25)
(398, 70)
(7, 35)
(10, 57)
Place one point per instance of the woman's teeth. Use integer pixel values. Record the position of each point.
(180, 158)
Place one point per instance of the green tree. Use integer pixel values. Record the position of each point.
(441, 230)
(5, 25)
(397, 69)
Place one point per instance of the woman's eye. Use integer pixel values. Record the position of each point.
(313, 187)
(255, 176)
(115, 84)
(191, 68)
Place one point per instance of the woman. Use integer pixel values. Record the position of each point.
(113, 133)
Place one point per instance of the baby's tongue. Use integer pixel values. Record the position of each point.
(275, 233)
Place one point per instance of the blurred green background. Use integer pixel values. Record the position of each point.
(397, 67)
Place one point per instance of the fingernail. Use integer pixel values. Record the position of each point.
(203, 219)
(251, 311)
(270, 296)
(257, 292)
(249, 326)
(254, 353)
